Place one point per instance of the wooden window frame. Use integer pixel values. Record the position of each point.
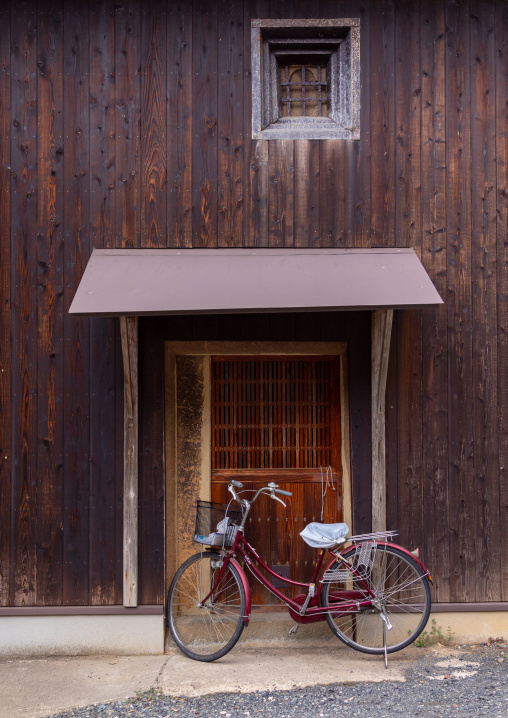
(276, 41)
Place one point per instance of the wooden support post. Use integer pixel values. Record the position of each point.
(129, 335)
(381, 333)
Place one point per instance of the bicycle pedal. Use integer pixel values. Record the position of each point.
(294, 629)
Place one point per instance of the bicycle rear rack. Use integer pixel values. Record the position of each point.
(382, 536)
(360, 565)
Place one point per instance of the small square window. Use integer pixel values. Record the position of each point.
(305, 79)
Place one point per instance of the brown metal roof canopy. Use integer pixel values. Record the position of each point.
(208, 281)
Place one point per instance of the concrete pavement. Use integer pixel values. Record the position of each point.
(41, 687)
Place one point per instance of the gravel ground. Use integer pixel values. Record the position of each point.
(473, 682)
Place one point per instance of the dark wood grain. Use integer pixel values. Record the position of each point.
(459, 302)
(128, 59)
(256, 177)
(102, 125)
(382, 124)
(333, 178)
(434, 321)
(24, 325)
(151, 463)
(179, 149)
(484, 276)
(358, 341)
(76, 427)
(204, 145)
(501, 44)
(5, 307)
(50, 281)
(153, 124)
(143, 113)
(230, 130)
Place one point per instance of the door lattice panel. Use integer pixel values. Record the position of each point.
(271, 413)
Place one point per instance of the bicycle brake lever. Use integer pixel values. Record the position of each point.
(272, 495)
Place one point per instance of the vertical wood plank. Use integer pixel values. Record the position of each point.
(358, 202)
(151, 529)
(302, 201)
(127, 121)
(76, 398)
(434, 320)
(256, 163)
(180, 119)
(501, 65)
(484, 275)
(103, 456)
(129, 339)
(102, 124)
(332, 167)
(24, 327)
(358, 337)
(408, 233)
(50, 254)
(103, 470)
(5, 306)
(380, 352)
(408, 108)
(460, 396)
(153, 124)
(382, 124)
(281, 167)
(205, 110)
(230, 148)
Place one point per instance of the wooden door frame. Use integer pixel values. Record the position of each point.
(380, 347)
(206, 350)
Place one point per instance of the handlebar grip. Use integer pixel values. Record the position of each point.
(238, 484)
(284, 493)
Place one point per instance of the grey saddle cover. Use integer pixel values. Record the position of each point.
(324, 535)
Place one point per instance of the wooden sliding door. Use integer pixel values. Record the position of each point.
(277, 418)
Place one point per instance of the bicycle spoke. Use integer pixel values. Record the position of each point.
(206, 631)
(399, 590)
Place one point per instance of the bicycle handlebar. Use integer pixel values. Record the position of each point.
(284, 493)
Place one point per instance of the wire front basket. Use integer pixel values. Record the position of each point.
(216, 524)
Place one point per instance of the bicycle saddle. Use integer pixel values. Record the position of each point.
(324, 535)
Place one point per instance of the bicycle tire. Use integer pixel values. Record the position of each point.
(400, 584)
(209, 632)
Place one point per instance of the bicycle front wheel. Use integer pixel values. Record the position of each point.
(206, 632)
(400, 605)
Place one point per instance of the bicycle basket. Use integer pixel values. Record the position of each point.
(216, 524)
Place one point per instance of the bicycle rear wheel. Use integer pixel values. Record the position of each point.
(207, 632)
(401, 593)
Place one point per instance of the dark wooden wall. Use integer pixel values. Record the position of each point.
(128, 124)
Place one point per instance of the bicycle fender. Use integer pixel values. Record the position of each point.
(246, 588)
(411, 555)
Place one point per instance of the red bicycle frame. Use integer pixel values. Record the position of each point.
(307, 610)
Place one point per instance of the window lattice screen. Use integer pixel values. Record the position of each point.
(303, 91)
(271, 413)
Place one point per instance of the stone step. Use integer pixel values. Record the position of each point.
(272, 629)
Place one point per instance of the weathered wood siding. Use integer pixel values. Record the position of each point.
(128, 124)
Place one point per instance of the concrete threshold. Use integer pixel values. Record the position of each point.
(272, 629)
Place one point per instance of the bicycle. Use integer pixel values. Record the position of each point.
(374, 594)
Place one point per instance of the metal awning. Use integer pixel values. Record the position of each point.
(134, 282)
